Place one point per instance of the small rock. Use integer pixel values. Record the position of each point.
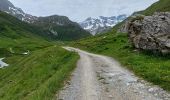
(110, 96)
(151, 90)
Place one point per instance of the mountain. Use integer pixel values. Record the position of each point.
(61, 27)
(55, 27)
(9, 8)
(100, 24)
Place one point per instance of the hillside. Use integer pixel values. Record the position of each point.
(160, 6)
(152, 67)
(18, 36)
(37, 67)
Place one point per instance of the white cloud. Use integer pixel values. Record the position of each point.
(79, 10)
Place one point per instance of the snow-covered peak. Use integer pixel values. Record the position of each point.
(8, 7)
(101, 23)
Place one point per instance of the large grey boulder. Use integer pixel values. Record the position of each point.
(150, 32)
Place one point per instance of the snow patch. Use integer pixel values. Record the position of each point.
(26, 53)
(54, 32)
(6, 12)
(3, 64)
(88, 27)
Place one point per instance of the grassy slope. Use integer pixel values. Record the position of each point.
(153, 68)
(18, 36)
(37, 76)
(160, 6)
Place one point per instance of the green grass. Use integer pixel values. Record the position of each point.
(38, 76)
(19, 46)
(151, 67)
(18, 37)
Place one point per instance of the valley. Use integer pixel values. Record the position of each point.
(37, 66)
(51, 57)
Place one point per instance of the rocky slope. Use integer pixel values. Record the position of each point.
(98, 25)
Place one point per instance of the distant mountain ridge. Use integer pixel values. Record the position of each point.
(100, 24)
(57, 27)
(61, 27)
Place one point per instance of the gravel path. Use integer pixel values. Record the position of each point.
(102, 78)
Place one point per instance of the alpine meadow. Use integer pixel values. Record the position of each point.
(85, 50)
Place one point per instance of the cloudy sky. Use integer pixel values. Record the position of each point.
(78, 10)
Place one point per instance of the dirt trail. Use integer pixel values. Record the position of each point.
(102, 78)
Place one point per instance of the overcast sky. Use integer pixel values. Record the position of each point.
(78, 10)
